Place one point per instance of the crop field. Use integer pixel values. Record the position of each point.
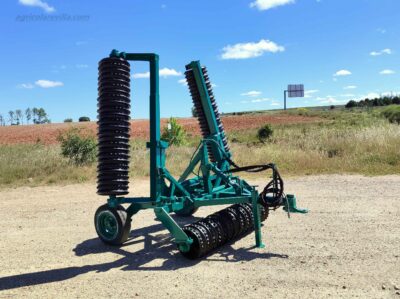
(304, 142)
(48, 133)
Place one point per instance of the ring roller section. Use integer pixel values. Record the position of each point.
(220, 228)
(204, 127)
(113, 126)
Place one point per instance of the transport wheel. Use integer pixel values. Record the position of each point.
(186, 211)
(112, 224)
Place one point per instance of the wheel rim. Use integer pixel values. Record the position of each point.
(107, 225)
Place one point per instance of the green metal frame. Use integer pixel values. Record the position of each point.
(213, 185)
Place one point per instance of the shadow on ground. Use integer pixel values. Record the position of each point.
(156, 247)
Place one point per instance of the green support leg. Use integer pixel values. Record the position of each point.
(180, 237)
(291, 205)
(257, 220)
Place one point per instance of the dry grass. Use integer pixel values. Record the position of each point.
(347, 142)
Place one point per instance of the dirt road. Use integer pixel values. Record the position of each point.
(347, 246)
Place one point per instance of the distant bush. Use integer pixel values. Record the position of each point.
(174, 133)
(84, 118)
(68, 120)
(392, 113)
(382, 101)
(302, 111)
(77, 147)
(265, 133)
(332, 107)
(351, 104)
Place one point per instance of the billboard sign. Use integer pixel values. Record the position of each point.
(296, 90)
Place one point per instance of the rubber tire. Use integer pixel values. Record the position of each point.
(123, 224)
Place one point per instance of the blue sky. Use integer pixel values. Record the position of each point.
(338, 49)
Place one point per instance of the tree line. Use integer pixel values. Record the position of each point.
(20, 117)
(382, 101)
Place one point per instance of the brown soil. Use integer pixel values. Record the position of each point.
(48, 133)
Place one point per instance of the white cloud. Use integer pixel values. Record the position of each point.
(342, 73)
(81, 43)
(329, 100)
(182, 81)
(164, 72)
(309, 93)
(370, 95)
(268, 4)
(350, 87)
(260, 100)
(387, 72)
(48, 83)
(250, 50)
(390, 93)
(38, 3)
(275, 104)
(252, 93)
(26, 85)
(141, 75)
(82, 66)
(378, 53)
(381, 30)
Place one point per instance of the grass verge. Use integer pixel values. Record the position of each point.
(357, 141)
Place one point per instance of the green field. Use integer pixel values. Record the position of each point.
(359, 141)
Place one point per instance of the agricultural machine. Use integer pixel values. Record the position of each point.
(208, 180)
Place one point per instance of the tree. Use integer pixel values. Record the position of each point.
(19, 116)
(40, 116)
(194, 112)
(351, 104)
(28, 115)
(84, 118)
(1, 120)
(174, 133)
(11, 114)
(68, 120)
(35, 115)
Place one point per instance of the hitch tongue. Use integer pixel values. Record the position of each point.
(290, 205)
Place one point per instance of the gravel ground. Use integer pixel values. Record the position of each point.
(347, 246)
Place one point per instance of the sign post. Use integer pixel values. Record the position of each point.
(293, 91)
